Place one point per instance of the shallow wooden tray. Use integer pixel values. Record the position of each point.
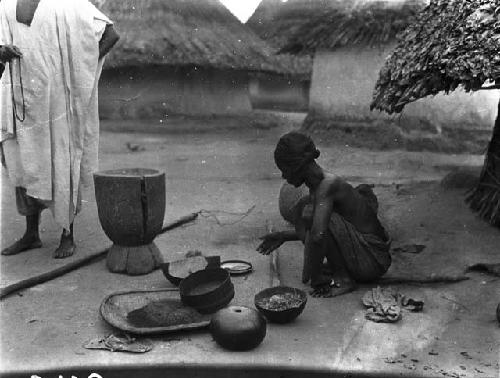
(115, 307)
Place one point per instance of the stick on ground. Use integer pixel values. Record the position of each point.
(44, 277)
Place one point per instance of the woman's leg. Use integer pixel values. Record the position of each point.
(306, 265)
(302, 226)
(364, 261)
(341, 281)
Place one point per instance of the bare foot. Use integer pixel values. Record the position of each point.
(26, 243)
(66, 247)
(335, 288)
(331, 291)
(326, 270)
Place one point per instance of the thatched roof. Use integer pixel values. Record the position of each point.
(371, 24)
(451, 43)
(184, 32)
(276, 21)
(297, 66)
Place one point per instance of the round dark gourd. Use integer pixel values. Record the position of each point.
(238, 328)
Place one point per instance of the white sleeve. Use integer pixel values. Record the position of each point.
(5, 37)
(99, 27)
(100, 21)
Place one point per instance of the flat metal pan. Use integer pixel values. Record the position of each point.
(236, 267)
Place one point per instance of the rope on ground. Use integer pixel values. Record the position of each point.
(208, 214)
(456, 302)
(214, 214)
(179, 222)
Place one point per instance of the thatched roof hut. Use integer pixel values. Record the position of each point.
(184, 32)
(366, 24)
(453, 43)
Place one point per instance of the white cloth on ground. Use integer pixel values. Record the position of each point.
(55, 149)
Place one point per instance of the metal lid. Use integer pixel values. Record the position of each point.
(237, 267)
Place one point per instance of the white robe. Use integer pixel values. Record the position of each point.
(55, 150)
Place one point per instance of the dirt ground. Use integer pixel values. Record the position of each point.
(228, 169)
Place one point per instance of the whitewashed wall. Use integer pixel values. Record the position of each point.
(342, 87)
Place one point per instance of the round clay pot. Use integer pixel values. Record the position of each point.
(238, 328)
(289, 197)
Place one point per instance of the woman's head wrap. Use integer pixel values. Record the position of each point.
(294, 151)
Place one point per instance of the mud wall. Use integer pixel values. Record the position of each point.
(276, 92)
(156, 92)
(343, 83)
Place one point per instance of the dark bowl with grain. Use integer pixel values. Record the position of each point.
(207, 290)
(281, 304)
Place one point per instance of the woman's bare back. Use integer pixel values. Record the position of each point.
(352, 206)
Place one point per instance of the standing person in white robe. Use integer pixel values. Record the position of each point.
(53, 52)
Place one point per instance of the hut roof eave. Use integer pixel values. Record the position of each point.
(148, 62)
(275, 21)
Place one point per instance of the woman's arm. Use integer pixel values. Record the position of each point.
(323, 208)
(289, 235)
(274, 240)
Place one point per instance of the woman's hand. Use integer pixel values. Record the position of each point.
(9, 52)
(270, 242)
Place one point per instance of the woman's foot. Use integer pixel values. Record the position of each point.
(337, 286)
(66, 246)
(27, 242)
(331, 291)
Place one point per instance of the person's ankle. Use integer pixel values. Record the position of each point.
(320, 281)
(31, 235)
(66, 234)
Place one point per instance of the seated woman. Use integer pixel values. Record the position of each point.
(336, 221)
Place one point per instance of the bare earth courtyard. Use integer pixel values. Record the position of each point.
(227, 171)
